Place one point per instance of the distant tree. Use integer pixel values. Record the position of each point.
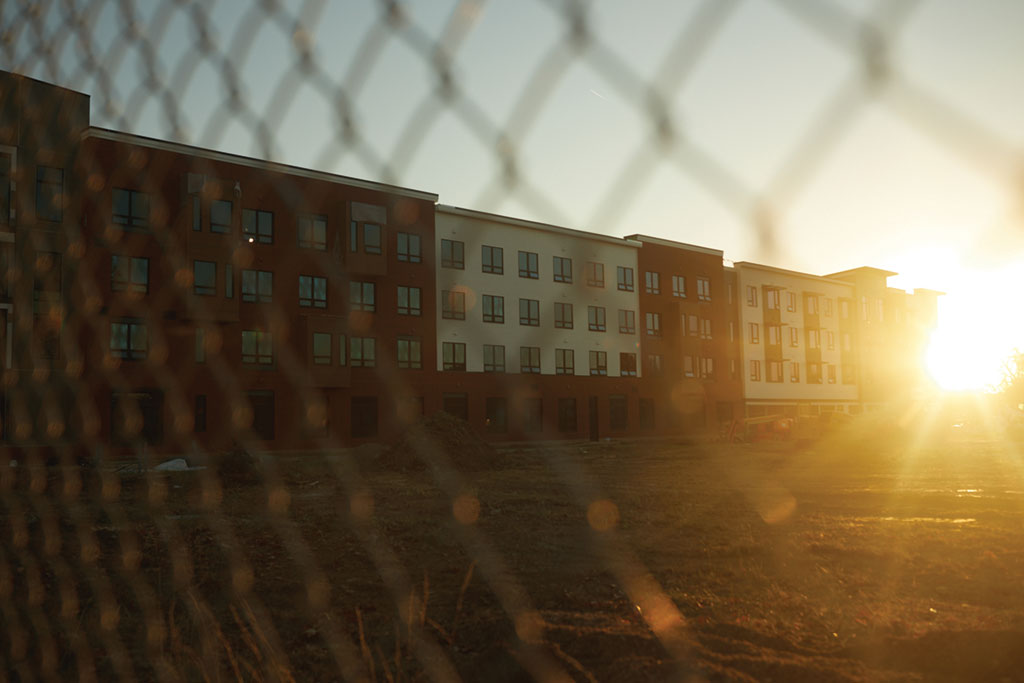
(1012, 385)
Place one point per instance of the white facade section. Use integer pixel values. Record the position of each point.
(476, 230)
(792, 388)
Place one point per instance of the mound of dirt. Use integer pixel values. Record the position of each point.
(443, 439)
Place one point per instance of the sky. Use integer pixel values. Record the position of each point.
(693, 121)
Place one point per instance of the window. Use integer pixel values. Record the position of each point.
(646, 413)
(563, 315)
(342, 350)
(492, 260)
(705, 328)
(652, 283)
(813, 339)
(6, 171)
(372, 240)
(564, 364)
(312, 291)
(322, 348)
(595, 274)
(146, 410)
(453, 356)
(199, 419)
(627, 322)
(830, 340)
(790, 301)
(827, 304)
(362, 296)
(654, 364)
(129, 274)
(624, 278)
(688, 367)
(794, 372)
(131, 209)
(257, 285)
(653, 321)
(453, 254)
(865, 311)
(453, 305)
(774, 334)
(220, 216)
(197, 214)
(258, 226)
(529, 359)
(362, 352)
(410, 353)
(313, 232)
(529, 312)
(494, 358)
(811, 305)
(562, 269)
(533, 415)
(229, 281)
(49, 193)
(794, 336)
(732, 331)
(707, 368)
(599, 363)
(755, 371)
(129, 339)
(409, 300)
(409, 248)
(528, 265)
(774, 371)
(814, 373)
(200, 345)
(627, 364)
(844, 309)
(494, 309)
(880, 308)
(618, 412)
(755, 333)
(831, 372)
(595, 318)
(257, 347)
(363, 413)
(204, 278)
(733, 369)
(496, 419)
(679, 286)
(703, 289)
(751, 295)
(847, 345)
(567, 415)
(692, 325)
(771, 299)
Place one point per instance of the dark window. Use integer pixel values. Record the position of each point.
(322, 345)
(49, 193)
(562, 269)
(137, 415)
(409, 300)
(363, 352)
(220, 216)
(627, 322)
(453, 305)
(409, 248)
(564, 362)
(263, 414)
(493, 260)
(529, 359)
(529, 312)
(258, 285)
(197, 213)
(652, 283)
(618, 413)
(647, 413)
(567, 415)
(372, 238)
(494, 358)
(131, 209)
(199, 421)
(313, 232)
(258, 226)
(6, 171)
(453, 254)
(494, 309)
(453, 356)
(364, 416)
(599, 363)
(653, 321)
(129, 274)
(497, 414)
(563, 316)
(456, 404)
(654, 364)
(362, 296)
(703, 289)
(528, 265)
(596, 318)
(625, 278)
(257, 347)
(533, 415)
(410, 354)
(312, 291)
(204, 278)
(679, 286)
(627, 364)
(595, 274)
(129, 339)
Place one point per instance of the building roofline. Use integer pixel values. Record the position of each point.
(46, 83)
(796, 273)
(678, 245)
(252, 162)
(535, 225)
(925, 290)
(862, 269)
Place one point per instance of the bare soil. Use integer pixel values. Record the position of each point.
(871, 556)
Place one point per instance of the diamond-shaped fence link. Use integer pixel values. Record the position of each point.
(99, 575)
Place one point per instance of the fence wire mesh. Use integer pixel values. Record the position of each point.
(115, 572)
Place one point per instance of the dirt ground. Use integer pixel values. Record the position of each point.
(880, 556)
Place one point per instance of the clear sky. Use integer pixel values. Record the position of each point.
(920, 172)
